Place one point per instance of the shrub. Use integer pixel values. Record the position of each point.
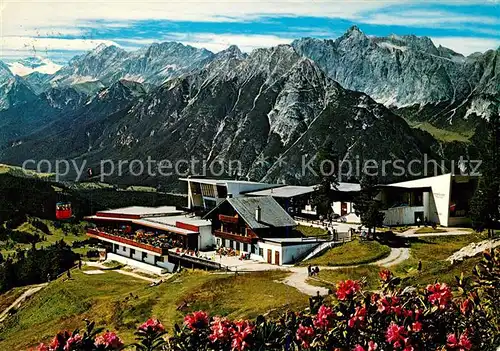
(41, 226)
(16, 220)
(428, 318)
(21, 237)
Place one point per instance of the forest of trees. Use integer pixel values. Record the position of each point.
(35, 266)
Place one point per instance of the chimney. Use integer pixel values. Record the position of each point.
(258, 214)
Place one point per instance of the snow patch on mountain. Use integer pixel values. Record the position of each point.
(481, 108)
(29, 65)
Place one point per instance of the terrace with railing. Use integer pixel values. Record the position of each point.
(152, 242)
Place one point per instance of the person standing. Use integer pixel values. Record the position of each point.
(309, 270)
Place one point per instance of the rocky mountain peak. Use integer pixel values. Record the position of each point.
(353, 37)
(5, 73)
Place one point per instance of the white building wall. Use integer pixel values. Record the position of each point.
(291, 253)
(439, 199)
(166, 266)
(351, 216)
(135, 258)
(402, 215)
(273, 248)
(336, 207)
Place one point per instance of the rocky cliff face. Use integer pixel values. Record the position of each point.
(272, 111)
(13, 90)
(410, 73)
(106, 65)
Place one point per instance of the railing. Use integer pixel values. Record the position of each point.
(230, 236)
(196, 260)
(228, 219)
(99, 234)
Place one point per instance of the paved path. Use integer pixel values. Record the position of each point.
(31, 291)
(299, 276)
(410, 233)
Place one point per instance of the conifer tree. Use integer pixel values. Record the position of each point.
(484, 206)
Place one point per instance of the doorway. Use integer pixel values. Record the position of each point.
(277, 258)
(269, 256)
(343, 208)
(419, 218)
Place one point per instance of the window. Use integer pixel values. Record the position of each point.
(223, 242)
(261, 252)
(218, 242)
(132, 251)
(159, 259)
(231, 244)
(144, 256)
(238, 246)
(245, 247)
(124, 248)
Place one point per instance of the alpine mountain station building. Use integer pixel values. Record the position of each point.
(253, 220)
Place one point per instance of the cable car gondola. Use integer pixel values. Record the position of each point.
(63, 210)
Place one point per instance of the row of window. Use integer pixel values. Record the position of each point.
(239, 246)
(144, 254)
(208, 190)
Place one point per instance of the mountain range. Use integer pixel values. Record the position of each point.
(269, 109)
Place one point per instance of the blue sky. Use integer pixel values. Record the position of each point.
(61, 29)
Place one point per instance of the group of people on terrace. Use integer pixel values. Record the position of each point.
(155, 239)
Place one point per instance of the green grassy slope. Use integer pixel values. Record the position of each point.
(120, 303)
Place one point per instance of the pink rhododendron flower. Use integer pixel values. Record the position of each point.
(72, 342)
(305, 335)
(395, 334)
(416, 327)
(372, 346)
(324, 318)
(196, 320)
(439, 294)
(358, 319)
(241, 333)
(347, 288)
(390, 304)
(461, 344)
(152, 325)
(220, 328)
(109, 340)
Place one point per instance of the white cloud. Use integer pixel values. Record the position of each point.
(218, 42)
(210, 41)
(28, 46)
(21, 15)
(465, 45)
(426, 19)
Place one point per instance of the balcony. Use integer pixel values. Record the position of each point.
(118, 239)
(231, 236)
(228, 219)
